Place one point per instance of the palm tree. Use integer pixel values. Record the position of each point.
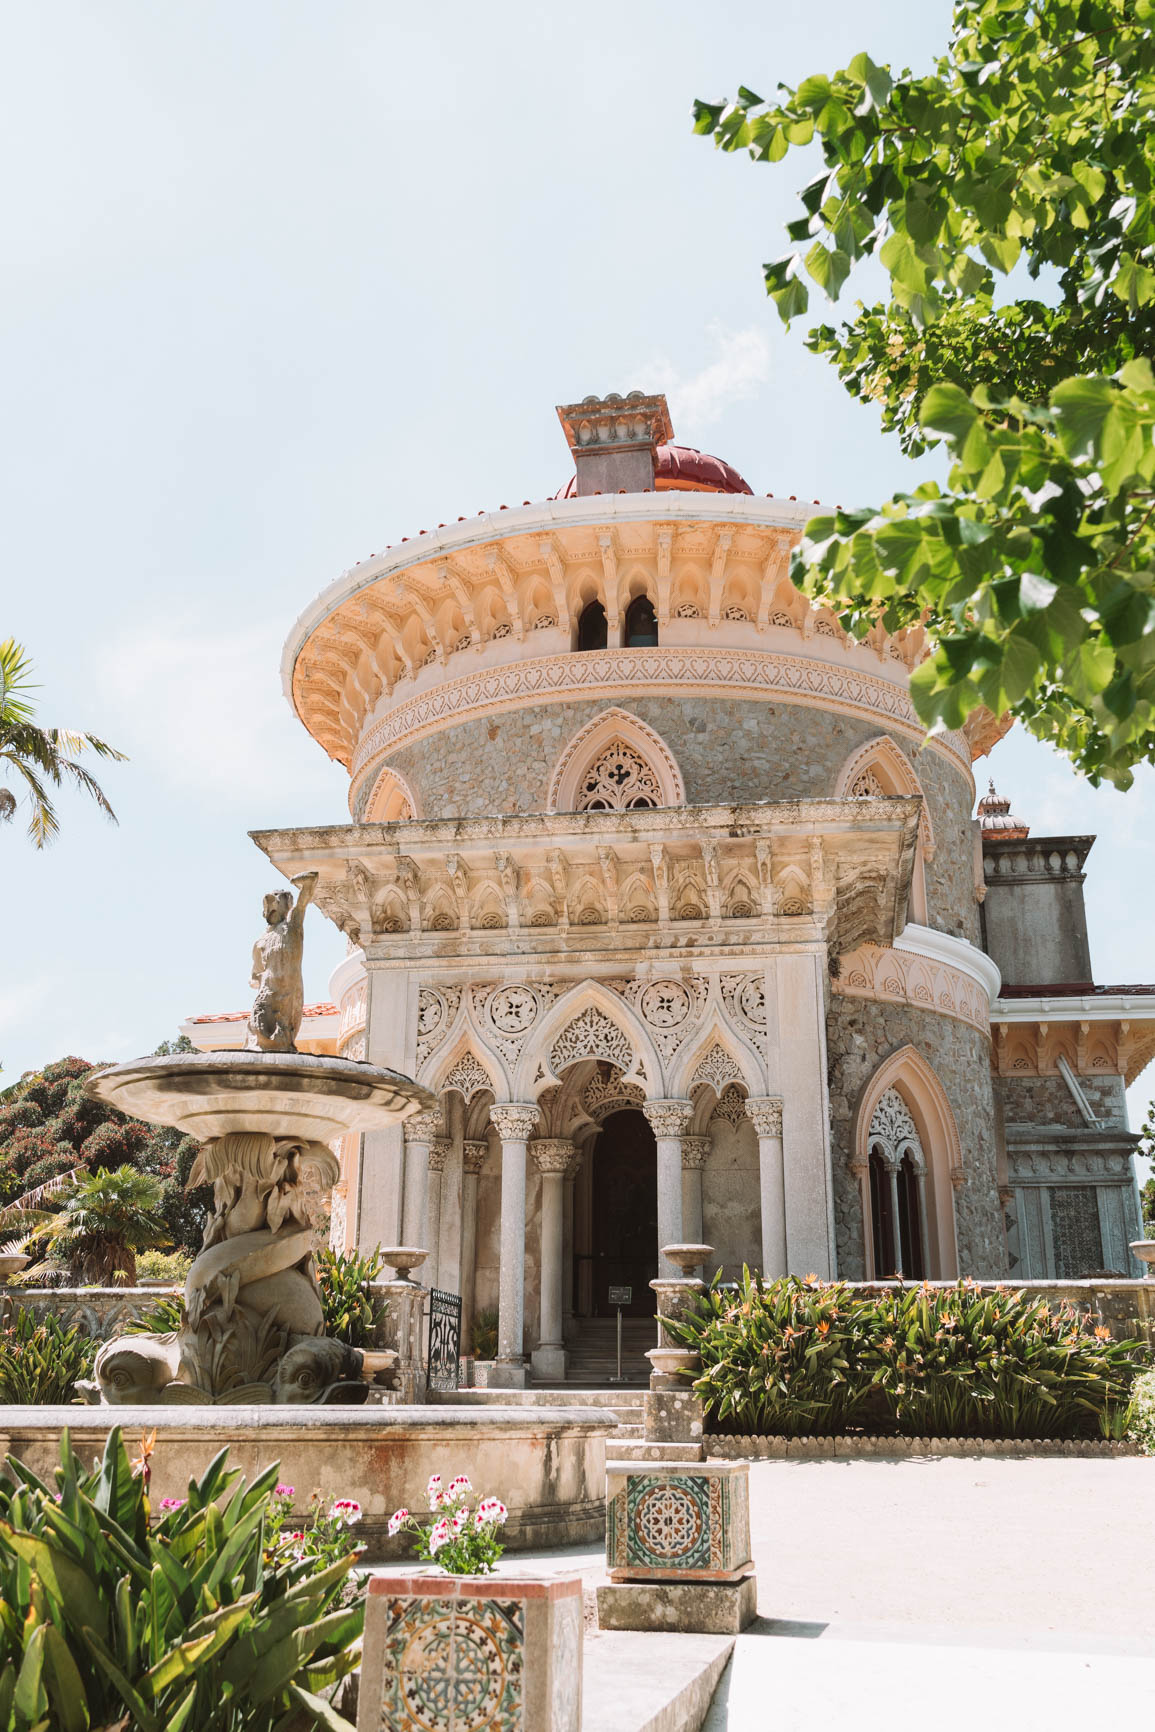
(104, 1220)
(40, 757)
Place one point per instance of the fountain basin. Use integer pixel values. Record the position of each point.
(286, 1094)
(546, 1464)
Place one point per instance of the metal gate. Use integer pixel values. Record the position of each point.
(444, 1339)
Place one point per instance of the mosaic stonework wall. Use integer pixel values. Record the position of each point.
(860, 1034)
(677, 1525)
(452, 1665)
(727, 750)
(1046, 1100)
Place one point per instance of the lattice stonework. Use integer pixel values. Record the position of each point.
(619, 780)
(866, 786)
(591, 1035)
(892, 1130)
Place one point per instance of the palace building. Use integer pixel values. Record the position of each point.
(654, 879)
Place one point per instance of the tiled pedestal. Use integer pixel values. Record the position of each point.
(678, 1547)
(471, 1654)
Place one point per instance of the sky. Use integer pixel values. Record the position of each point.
(286, 282)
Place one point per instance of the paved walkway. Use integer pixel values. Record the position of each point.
(942, 1594)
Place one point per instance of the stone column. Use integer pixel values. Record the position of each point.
(800, 1018)
(439, 1150)
(668, 1120)
(514, 1124)
(420, 1132)
(695, 1151)
(472, 1160)
(552, 1157)
(766, 1113)
(896, 1233)
(567, 1244)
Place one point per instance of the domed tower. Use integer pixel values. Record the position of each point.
(654, 878)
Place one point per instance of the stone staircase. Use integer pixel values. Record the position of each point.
(593, 1353)
(625, 1404)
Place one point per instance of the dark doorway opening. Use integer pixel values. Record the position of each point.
(641, 623)
(625, 1214)
(592, 628)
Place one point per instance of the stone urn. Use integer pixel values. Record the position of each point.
(403, 1259)
(11, 1263)
(1144, 1249)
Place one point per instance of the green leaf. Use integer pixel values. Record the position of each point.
(324, 1714)
(67, 1583)
(64, 1683)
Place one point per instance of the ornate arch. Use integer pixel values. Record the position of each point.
(589, 1021)
(877, 767)
(718, 1056)
(911, 1077)
(611, 727)
(469, 1068)
(391, 799)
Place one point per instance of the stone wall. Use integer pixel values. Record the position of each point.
(1046, 1100)
(860, 1034)
(728, 749)
(731, 1202)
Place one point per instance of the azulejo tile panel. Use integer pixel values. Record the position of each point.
(689, 1522)
(453, 1665)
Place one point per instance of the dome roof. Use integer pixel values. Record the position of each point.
(680, 468)
(997, 821)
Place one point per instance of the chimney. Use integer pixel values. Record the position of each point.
(614, 440)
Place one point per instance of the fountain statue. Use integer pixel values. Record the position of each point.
(253, 1328)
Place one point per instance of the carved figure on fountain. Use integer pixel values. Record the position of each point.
(275, 1019)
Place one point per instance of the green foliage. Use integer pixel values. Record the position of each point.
(806, 1358)
(49, 1126)
(1030, 142)
(483, 1335)
(190, 1623)
(163, 1318)
(1141, 1414)
(104, 1219)
(1145, 1149)
(461, 1540)
(351, 1312)
(318, 1536)
(40, 758)
(170, 1266)
(41, 1360)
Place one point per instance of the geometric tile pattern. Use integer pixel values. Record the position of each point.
(453, 1665)
(681, 1524)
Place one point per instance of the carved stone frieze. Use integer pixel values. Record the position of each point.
(731, 1107)
(437, 1009)
(744, 996)
(606, 1093)
(591, 1034)
(902, 977)
(669, 1008)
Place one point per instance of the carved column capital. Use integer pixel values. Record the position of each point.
(473, 1156)
(551, 1154)
(766, 1113)
(695, 1151)
(424, 1126)
(438, 1154)
(515, 1121)
(668, 1118)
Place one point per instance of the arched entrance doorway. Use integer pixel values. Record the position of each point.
(624, 1214)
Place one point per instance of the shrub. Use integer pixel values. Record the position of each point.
(190, 1618)
(1141, 1413)
(41, 1360)
(463, 1541)
(483, 1335)
(807, 1358)
(351, 1311)
(163, 1266)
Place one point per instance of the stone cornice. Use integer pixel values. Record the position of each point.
(917, 977)
(623, 674)
(956, 953)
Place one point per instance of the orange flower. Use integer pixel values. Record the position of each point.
(824, 1329)
(1102, 1333)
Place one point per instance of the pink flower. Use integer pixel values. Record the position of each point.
(460, 1519)
(433, 1491)
(438, 1536)
(499, 1511)
(167, 1503)
(397, 1520)
(346, 1509)
(480, 1518)
(459, 1486)
(284, 1490)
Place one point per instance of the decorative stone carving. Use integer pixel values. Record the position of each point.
(618, 780)
(275, 1019)
(515, 1123)
(437, 1009)
(603, 1095)
(906, 977)
(766, 1113)
(469, 1077)
(513, 1010)
(716, 1068)
(664, 1004)
(893, 1132)
(731, 1106)
(424, 1127)
(669, 1008)
(439, 1152)
(552, 1154)
(695, 1153)
(866, 786)
(668, 1118)
(473, 1156)
(591, 1034)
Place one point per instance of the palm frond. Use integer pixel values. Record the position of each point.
(15, 668)
(43, 823)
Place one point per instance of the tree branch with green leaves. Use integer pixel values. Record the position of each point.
(1030, 144)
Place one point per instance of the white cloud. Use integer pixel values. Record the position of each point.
(741, 366)
(205, 707)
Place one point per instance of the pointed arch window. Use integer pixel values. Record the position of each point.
(641, 623)
(592, 630)
(619, 780)
(897, 1169)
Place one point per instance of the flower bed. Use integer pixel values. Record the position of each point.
(806, 1358)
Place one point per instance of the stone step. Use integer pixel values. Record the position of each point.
(647, 1682)
(632, 1450)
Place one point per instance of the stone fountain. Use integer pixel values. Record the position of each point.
(253, 1329)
